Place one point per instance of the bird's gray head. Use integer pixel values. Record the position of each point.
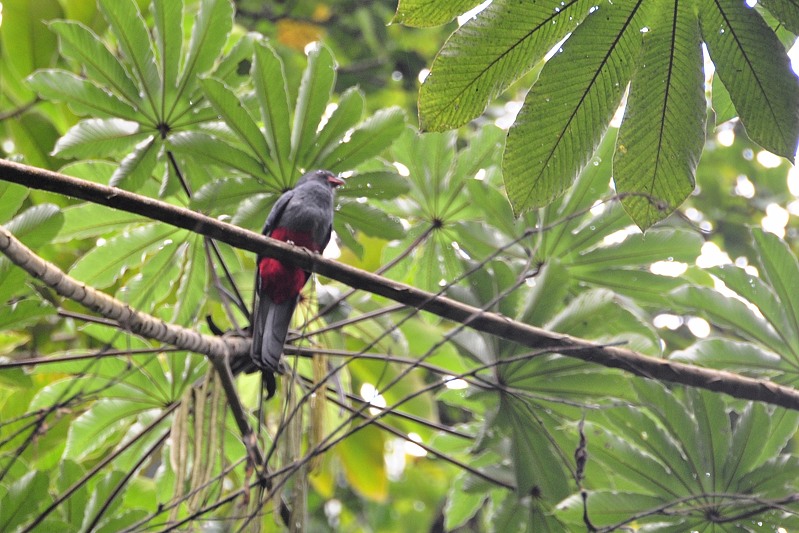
(321, 176)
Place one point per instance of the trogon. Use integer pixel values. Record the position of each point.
(302, 216)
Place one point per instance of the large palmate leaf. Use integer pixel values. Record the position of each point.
(651, 46)
(763, 313)
(279, 148)
(147, 81)
(678, 455)
(439, 205)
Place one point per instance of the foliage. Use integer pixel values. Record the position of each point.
(426, 424)
(598, 50)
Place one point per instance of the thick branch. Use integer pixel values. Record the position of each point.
(492, 323)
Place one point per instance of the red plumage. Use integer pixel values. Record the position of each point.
(283, 282)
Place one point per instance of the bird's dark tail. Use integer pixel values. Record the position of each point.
(268, 381)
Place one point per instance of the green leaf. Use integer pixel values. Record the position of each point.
(318, 80)
(731, 355)
(644, 249)
(101, 266)
(536, 463)
(153, 284)
(134, 41)
(168, 16)
(137, 167)
(97, 137)
(225, 194)
(362, 455)
(210, 30)
(369, 139)
(378, 184)
(567, 111)
(234, 69)
(192, 287)
(423, 13)
(83, 46)
(558, 378)
(346, 115)
(92, 429)
(23, 313)
(711, 442)
(663, 132)
(37, 225)
(546, 297)
(757, 73)
(92, 220)
(756, 290)
(213, 150)
(24, 498)
(269, 79)
(369, 220)
(488, 53)
(83, 97)
(598, 314)
(606, 507)
(786, 12)
(11, 198)
(746, 450)
(782, 270)
(239, 119)
(25, 41)
(461, 505)
(730, 313)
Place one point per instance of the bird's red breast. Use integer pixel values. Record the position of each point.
(279, 281)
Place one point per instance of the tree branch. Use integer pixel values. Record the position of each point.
(492, 323)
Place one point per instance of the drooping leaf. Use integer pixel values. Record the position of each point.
(92, 429)
(644, 249)
(92, 220)
(568, 109)
(663, 132)
(12, 196)
(191, 291)
(225, 194)
(25, 496)
(488, 53)
(729, 355)
(756, 71)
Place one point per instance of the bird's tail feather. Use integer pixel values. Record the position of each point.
(269, 334)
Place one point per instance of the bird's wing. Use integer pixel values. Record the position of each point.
(277, 212)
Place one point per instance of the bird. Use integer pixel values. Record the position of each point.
(302, 216)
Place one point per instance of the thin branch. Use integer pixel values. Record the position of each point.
(492, 323)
